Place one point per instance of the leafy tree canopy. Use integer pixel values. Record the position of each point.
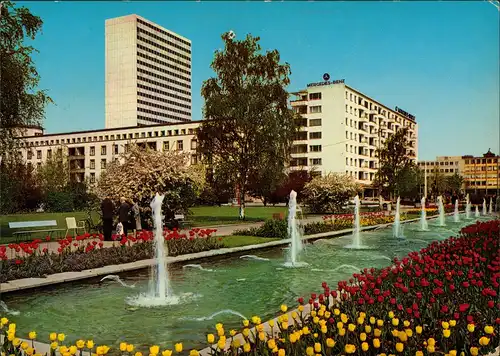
(21, 102)
(249, 127)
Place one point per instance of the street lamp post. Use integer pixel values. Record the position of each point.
(425, 180)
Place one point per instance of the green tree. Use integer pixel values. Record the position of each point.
(454, 183)
(438, 182)
(53, 177)
(265, 182)
(394, 164)
(248, 123)
(22, 104)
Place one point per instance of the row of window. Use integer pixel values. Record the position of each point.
(298, 162)
(168, 80)
(166, 86)
(165, 64)
(315, 109)
(169, 43)
(113, 137)
(302, 135)
(442, 163)
(172, 74)
(144, 39)
(303, 148)
(157, 98)
(159, 91)
(314, 96)
(158, 106)
(168, 34)
(162, 114)
(481, 160)
(156, 53)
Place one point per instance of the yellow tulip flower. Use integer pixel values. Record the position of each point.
(402, 336)
(446, 333)
(30, 351)
(395, 321)
(344, 318)
(16, 342)
(232, 332)
(221, 344)
(246, 323)
(391, 314)
(488, 329)
(262, 336)
(178, 347)
(293, 338)
(377, 332)
(138, 354)
(4, 321)
(80, 344)
(350, 349)
(336, 311)
(452, 324)
(431, 348)
(330, 342)
(309, 351)
(24, 345)
(445, 325)
(246, 332)
(431, 341)
(368, 329)
(72, 350)
(471, 327)
(380, 322)
(166, 353)
(271, 344)
(194, 353)
(342, 332)
(154, 350)
(340, 325)
(351, 327)
(236, 343)
(61, 337)
(418, 329)
(210, 338)
(360, 320)
(483, 341)
(365, 346)
(220, 332)
(32, 335)
(474, 351)
(246, 347)
(53, 336)
(362, 336)
(130, 348)
(90, 344)
(406, 323)
(54, 345)
(409, 332)
(372, 320)
(283, 308)
(301, 308)
(281, 352)
(123, 346)
(284, 325)
(317, 347)
(376, 343)
(400, 347)
(419, 353)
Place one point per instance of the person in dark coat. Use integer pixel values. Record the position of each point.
(123, 214)
(108, 212)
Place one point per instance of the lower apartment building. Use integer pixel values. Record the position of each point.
(342, 129)
(89, 152)
(446, 165)
(482, 174)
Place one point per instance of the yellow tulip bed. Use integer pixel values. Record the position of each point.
(442, 300)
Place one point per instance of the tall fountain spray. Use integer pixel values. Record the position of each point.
(491, 206)
(485, 210)
(356, 232)
(467, 207)
(160, 288)
(456, 214)
(294, 229)
(396, 227)
(424, 226)
(441, 211)
(477, 212)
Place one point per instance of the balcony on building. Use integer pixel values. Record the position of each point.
(301, 136)
(299, 149)
(298, 162)
(76, 152)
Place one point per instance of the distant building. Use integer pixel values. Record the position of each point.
(446, 165)
(89, 152)
(148, 74)
(482, 174)
(343, 128)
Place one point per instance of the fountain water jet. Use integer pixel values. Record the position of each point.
(456, 214)
(396, 227)
(356, 233)
(485, 211)
(467, 207)
(159, 285)
(477, 212)
(294, 232)
(424, 226)
(441, 211)
(491, 206)
(357, 269)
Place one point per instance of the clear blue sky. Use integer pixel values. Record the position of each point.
(436, 60)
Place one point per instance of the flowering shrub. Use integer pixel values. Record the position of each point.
(440, 301)
(87, 251)
(329, 193)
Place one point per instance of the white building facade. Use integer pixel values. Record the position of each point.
(342, 129)
(89, 152)
(148, 74)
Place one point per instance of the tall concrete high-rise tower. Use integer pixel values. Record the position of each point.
(148, 74)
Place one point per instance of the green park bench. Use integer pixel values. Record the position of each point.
(49, 225)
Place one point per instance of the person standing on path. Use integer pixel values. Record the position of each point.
(123, 214)
(107, 210)
(136, 212)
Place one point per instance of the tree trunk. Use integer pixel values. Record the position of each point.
(242, 204)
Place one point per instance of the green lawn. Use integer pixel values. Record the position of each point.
(212, 215)
(237, 241)
(6, 234)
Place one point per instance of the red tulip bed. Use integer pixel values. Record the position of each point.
(34, 259)
(442, 300)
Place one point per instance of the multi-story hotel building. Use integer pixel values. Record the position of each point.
(148, 74)
(482, 174)
(447, 165)
(342, 129)
(89, 152)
